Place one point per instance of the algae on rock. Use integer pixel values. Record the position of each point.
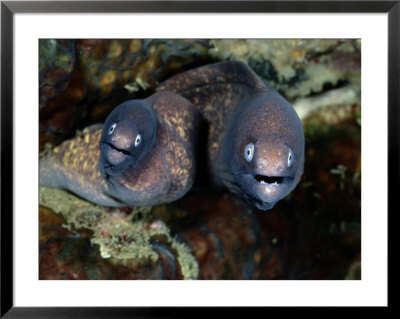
(296, 67)
(119, 234)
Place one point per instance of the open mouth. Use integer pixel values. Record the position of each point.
(271, 180)
(125, 152)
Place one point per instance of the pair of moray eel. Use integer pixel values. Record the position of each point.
(144, 154)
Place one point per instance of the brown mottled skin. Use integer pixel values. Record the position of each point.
(162, 173)
(242, 111)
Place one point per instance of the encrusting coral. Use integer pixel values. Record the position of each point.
(120, 234)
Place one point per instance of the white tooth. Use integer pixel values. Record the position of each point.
(262, 182)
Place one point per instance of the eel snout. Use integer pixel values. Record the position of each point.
(271, 176)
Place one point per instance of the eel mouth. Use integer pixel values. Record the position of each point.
(114, 155)
(121, 150)
(263, 191)
(272, 180)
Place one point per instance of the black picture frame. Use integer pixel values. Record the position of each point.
(9, 8)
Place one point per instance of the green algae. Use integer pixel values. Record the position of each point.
(120, 235)
(188, 264)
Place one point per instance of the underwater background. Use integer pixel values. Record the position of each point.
(314, 233)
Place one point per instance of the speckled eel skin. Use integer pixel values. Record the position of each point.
(143, 155)
(255, 139)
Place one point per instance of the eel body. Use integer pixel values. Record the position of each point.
(255, 139)
(143, 155)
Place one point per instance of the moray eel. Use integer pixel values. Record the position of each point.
(255, 139)
(143, 155)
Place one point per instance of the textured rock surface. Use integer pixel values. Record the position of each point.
(296, 67)
(219, 239)
(105, 73)
(313, 234)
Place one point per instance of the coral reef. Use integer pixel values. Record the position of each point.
(56, 62)
(105, 73)
(315, 233)
(209, 241)
(296, 67)
(119, 234)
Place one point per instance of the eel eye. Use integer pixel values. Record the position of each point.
(290, 158)
(138, 140)
(249, 152)
(111, 129)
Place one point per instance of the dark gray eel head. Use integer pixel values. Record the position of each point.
(128, 134)
(264, 149)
